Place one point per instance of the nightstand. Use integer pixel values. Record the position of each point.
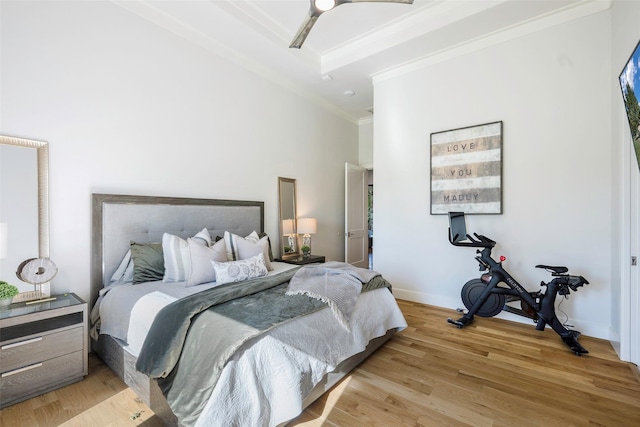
(301, 260)
(43, 346)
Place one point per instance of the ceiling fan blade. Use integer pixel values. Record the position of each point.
(314, 14)
(303, 32)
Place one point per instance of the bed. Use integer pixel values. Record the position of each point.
(206, 352)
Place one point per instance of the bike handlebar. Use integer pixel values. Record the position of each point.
(568, 282)
(479, 242)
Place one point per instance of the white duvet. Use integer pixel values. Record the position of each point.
(266, 381)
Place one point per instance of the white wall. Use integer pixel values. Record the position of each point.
(132, 109)
(365, 143)
(552, 90)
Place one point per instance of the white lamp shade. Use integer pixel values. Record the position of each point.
(307, 226)
(3, 239)
(287, 227)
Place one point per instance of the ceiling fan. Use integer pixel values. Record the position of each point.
(318, 7)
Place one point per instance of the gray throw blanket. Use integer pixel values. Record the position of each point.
(336, 283)
(163, 344)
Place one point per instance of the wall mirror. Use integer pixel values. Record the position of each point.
(24, 204)
(287, 217)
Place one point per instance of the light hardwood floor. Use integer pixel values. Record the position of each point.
(492, 373)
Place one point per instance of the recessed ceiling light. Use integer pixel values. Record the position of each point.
(349, 92)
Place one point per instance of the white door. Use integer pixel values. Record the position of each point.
(355, 221)
(630, 295)
(634, 273)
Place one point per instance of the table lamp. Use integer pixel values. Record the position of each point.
(307, 227)
(288, 230)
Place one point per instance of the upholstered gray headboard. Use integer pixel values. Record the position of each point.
(117, 220)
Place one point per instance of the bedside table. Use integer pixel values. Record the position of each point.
(43, 346)
(301, 260)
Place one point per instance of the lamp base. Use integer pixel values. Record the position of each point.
(306, 245)
(41, 293)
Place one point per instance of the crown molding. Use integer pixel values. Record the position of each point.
(551, 19)
(436, 15)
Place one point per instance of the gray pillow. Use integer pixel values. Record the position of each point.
(148, 262)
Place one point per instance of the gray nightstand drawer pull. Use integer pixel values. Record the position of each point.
(18, 344)
(17, 371)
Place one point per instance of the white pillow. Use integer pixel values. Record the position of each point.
(177, 259)
(236, 271)
(201, 257)
(239, 248)
(231, 241)
(204, 236)
(124, 272)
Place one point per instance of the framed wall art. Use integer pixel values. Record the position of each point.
(466, 170)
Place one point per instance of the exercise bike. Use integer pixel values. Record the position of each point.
(490, 294)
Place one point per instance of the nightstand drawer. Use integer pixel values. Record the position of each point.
(37, 348)
(32, 380)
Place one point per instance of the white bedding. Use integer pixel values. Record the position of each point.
(110, 313)
(265, 382)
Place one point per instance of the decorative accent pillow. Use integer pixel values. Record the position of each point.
(247, 247)
(202, 270)
(177, 260)
(148, 262)
(236, 271)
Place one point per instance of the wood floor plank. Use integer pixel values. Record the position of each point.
(492, 373)
(496, 372)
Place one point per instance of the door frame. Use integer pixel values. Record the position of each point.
(630, 275)
(356, 237)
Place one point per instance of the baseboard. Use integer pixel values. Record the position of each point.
(586, 327)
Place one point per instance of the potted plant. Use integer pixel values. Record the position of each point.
(306, 250)
(7, 292)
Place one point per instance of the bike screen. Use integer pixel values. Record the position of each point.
(457, 227)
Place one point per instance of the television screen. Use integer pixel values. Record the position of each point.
(630, 85)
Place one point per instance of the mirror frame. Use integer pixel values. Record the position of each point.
(295, 254)
(42, 154)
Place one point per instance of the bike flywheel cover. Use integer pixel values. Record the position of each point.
(472, 290)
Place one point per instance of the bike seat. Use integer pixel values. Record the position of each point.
(557, 270)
